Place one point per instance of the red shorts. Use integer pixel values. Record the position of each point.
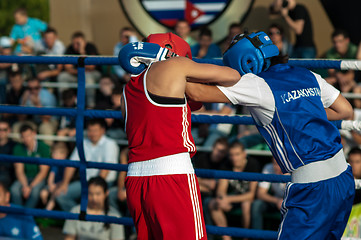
(166, 207)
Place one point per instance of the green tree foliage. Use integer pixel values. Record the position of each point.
(36, 9)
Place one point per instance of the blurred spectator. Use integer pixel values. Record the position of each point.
(97, 148)
(16, 226)
(59, 151)
(183, 29)
(299, 20)
(6, 147)
(79, 46)
(5, 68)
(235, 193)
(103, 96)
(276, 33)
(127, 35)
(16, 90)
(205, 48)
(26, 31)
(49, 45)
(97, 205)
(67, 123)
(233, 30)
(36, 96)
(30, 177)
(269, 196)
(354, 159)
(115, 127)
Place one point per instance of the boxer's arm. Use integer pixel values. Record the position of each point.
(340, 109)
(205, 93)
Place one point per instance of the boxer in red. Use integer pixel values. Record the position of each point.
(162, 190)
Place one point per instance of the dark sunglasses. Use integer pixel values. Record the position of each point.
(272, 33)
(33, 88)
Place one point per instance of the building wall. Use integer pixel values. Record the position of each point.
(101, 21)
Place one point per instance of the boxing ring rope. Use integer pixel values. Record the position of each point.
(80, 113)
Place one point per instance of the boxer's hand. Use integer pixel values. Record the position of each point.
(135, 57)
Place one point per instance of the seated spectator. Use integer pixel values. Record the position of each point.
(342, 49)
(269, 196)
(354, 159)
(16, 226)
(205, 48)
(183, 29)
(276, 33)
(36, 96)
(14, 93)
(103, 96)
(26, 31)
(235, 193)
(97, 148)
(79, 46)
(233, 30)
(30, 177)
(67, 123)
(115, 127)
(97, 205)
(59, 151)
(127, 35)
(49, 45)
(6, 147)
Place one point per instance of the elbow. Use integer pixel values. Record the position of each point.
(193, 92)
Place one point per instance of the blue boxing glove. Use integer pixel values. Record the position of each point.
(135, 57)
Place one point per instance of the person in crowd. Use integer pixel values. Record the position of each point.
(49, 45)
(59, 151)
(79, 46)
(343, 80)
(97, 205)
(98, 148)
(276, 33)
(115, 127)
(299, 21)
(36, 96)
(5, 68)
(354, 159)
(30, 178)
(233, 30)
(7, 174)
(67, 123)
(26, 31)
(127, 35)
(205, 48)
(103, 97)
(16, 226)
(269, 196)
(183, 30)
(235, 193)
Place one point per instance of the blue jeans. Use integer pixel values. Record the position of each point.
(304, 52)
(70, 199)
(17, 195)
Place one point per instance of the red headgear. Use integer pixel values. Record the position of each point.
(171, 41)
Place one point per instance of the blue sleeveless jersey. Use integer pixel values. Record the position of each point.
(299, 132)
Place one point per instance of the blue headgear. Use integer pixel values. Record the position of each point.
(250, 53)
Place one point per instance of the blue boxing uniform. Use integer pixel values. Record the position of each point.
(287, 104)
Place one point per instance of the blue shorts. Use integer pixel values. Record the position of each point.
(318, 210)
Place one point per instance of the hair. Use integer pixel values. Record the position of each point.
(14, 74)
(21, 10)
(125, 29)
(222, 141)
(32, 79)
(233, 25)
(68, 93)
(279, 27)
(338, 32)
(237, 145)
(5, 185)
(61, 146)
(279, 59)
(97, 121)
(354, 150)
(205, 32)
(99, 181)
(78, 34)
(5, 122)
(51, 30)
(25, 127)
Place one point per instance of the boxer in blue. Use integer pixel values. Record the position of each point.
(292, 107)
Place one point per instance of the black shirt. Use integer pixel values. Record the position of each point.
(305, 39)
(7, 168)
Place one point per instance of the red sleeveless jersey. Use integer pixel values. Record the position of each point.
(155, 130)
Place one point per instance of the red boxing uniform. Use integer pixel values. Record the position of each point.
(162, 190)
